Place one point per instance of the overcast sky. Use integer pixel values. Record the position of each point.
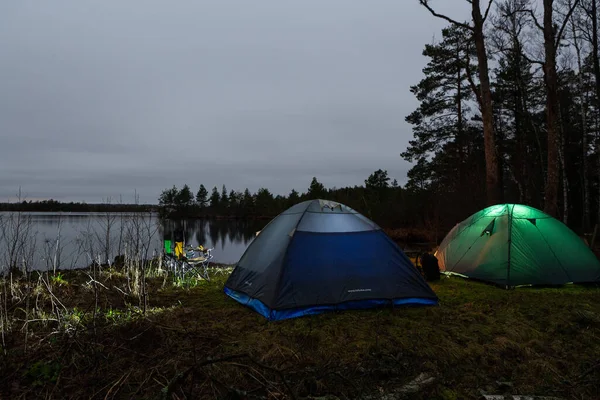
(98, 98)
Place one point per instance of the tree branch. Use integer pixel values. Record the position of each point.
(425, 3)
(586, 34)
(525, 56)
(564, 24)
(533, 17)
(487, 11)
(587, 11)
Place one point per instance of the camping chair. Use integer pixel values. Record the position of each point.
(196, 261)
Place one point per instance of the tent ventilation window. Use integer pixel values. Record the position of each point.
(489, 229)
(332, 205)
(532, 220)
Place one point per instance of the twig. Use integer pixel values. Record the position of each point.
(144, 382)
(425, 3)
(120, 382)
(116, 288)
(140, 334)
(564, 23)
(92, 280)
(168, 390)
(252, 376)
(533, 18)
(239, 393)
(587, 372)
(52, 294)
(41, 319)
(278, 372)
(47, 336)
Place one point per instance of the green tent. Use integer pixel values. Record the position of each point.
(513, 244)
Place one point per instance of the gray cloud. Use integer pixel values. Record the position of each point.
(99, 99)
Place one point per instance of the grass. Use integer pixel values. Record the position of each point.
(195, 342)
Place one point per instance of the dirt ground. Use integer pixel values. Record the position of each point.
(195, 342)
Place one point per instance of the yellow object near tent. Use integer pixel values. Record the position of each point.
(178, 249)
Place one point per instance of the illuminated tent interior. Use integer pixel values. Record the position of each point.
(513, 245)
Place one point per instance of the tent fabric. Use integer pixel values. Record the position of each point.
(513, 245)
(321, 255)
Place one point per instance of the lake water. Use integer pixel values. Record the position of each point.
(71, 240)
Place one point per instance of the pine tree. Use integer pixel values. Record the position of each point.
(247, 203)
(202, 197)
(224, 200)
(475, 30)
(264, 202)
(293, 198)
(168, 197)
(316, 189)
(234, 202)
(446, 142)
(185, 197)
(215, 200)
(378, 180)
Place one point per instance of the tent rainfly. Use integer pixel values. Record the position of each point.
(321, 255)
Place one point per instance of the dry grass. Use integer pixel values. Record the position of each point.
(197, 343)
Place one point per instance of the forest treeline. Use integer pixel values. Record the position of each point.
(57, 206)
(510, 110)
(377, 199)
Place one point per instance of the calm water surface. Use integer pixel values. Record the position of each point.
(82, 236)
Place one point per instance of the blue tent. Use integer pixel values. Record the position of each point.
(321, 255)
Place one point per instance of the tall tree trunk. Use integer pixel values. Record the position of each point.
(596, 62)
(459, 122)
(494, 190)
(520, 159)
(563, 167)
(551, 80)
(484, 97)
(530, 182)
(511, 22)
(519, 113)
(585, 219)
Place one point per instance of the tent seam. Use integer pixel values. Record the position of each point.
(553, 253)
(285, 255)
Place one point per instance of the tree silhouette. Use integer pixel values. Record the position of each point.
(202, 197)
(215, 199)
(184, 198)
(378, 180)
(316, 189)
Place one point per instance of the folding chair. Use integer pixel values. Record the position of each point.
(196, 261)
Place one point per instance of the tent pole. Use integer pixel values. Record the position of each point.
(510, 222)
